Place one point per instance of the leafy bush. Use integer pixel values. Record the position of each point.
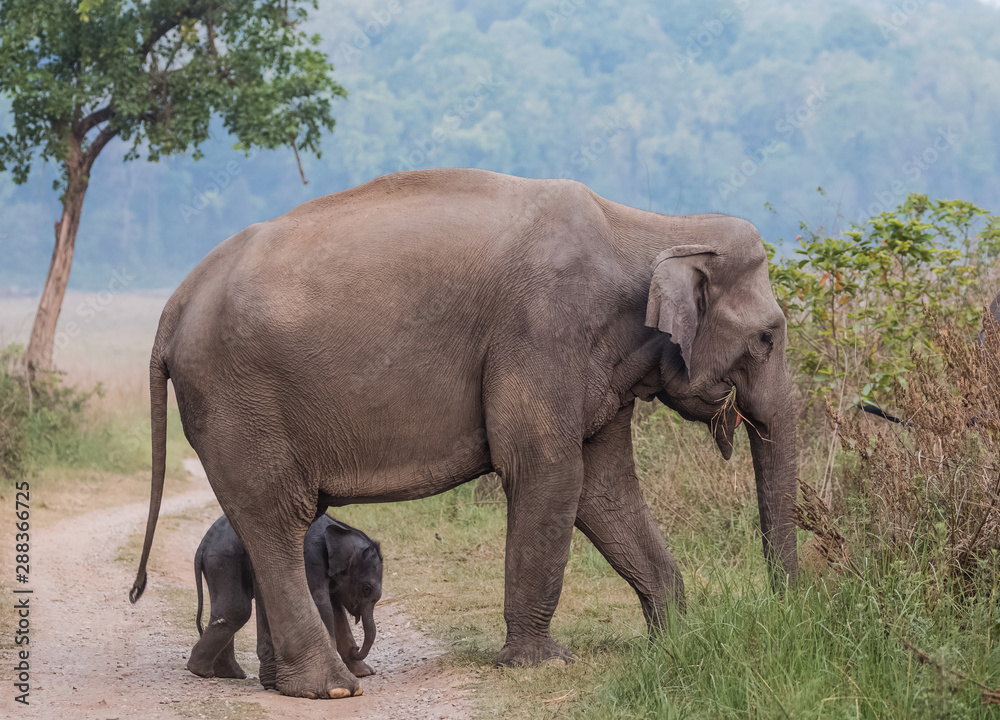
(13, 418)
(856, 304)
(40, 425)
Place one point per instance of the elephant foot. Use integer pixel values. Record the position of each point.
(200, 669)
(319, 681)
(221, 669)
(268, 675)
(359, 668)
(230, 672)
(534, 652)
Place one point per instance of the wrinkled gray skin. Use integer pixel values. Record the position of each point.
(400, 338)
(994, 310)
(344, 573)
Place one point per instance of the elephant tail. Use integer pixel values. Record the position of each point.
(198, 568)
(158, 375)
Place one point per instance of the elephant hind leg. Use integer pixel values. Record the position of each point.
(214, 654)
(230, 589)
(226, 665)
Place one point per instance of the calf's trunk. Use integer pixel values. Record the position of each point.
(368, 623)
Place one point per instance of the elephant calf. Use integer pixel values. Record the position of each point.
(344, 571)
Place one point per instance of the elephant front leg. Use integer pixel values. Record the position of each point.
(346, 644)
(613, 514)
(541, 510)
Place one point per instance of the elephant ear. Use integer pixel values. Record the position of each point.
(340, 547)
(675, 295)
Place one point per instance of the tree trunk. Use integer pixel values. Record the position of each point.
(38, 357)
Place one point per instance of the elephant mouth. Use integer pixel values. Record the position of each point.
(724, 423)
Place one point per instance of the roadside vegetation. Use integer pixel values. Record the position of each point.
(57, 430)
(897, 614)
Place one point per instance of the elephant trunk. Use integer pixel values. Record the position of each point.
(773, 446)
(368, 623)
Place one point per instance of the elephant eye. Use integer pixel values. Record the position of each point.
(366, 589)
(767, 338)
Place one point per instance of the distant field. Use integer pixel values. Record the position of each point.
(102, 337)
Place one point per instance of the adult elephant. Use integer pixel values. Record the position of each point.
(400, 338)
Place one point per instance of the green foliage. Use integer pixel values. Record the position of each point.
(60, 426)
(45, 428)
(13, 417)
(154, 73)
(857, 304)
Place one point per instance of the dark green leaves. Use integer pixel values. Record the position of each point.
(155, 73)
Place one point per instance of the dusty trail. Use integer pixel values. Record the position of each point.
(95, 656)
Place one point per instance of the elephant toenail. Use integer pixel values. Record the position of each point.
(359, 691)
(338, 693)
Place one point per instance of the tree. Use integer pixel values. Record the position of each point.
(152, 73)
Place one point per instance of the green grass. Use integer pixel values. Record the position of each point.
(743, 652)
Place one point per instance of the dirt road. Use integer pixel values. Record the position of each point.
(95, 656)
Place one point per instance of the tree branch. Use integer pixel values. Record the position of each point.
(94, 149)
(162, 29)
(94, 119)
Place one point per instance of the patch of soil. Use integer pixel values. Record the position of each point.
(95, 656)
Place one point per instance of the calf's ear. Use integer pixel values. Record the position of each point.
(676, 294)
(340, 548)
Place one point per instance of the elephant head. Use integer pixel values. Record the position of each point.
(725, 362)
(355, 571)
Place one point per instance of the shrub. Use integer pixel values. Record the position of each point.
(41, 424)
(13, 418)
(855, 304)
(931, 489)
